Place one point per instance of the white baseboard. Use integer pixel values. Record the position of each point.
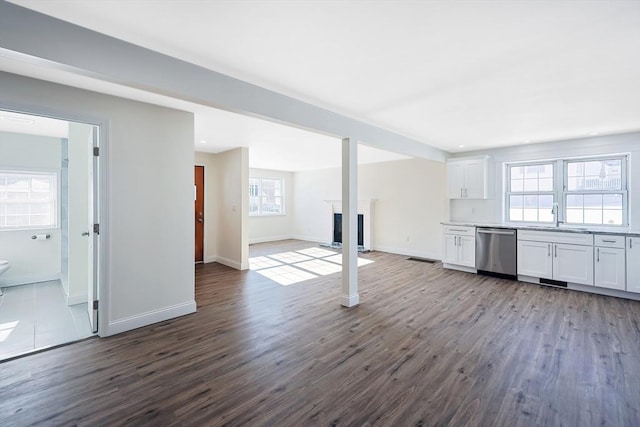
(149, 318)
(309, 238)
(76, 299)
(209, 259)
(229, 263)
(28, 279)
(349, 300)
(407, 252)
(460, 268)
(270, 239)
(586, 288)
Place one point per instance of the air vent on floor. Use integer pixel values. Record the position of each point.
(427, 260)
(553, 282)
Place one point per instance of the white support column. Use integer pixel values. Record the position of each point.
(350, 295)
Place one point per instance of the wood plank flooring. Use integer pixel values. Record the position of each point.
(426, 347)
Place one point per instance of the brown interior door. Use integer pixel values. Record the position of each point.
(199, 212)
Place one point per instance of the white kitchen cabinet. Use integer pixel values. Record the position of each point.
(468, 178)
(534, 259)
(633, 264)
(459, 247)
(610, 263)
(573, 263)
(565, 257)
(455, 179)
(450, 250)
(467, 251)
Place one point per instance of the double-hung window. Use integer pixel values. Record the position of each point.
(28, 200)
(530, 193)
(595, 191)
(589, 191)
(266, 196)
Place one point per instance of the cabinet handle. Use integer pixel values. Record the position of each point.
(598, 255)
(630, 243)
(608, 241)
(466, 193)
(461, 193)
(555, 250)
(549, 249)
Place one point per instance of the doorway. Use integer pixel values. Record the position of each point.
(49, 228)
(199, 212)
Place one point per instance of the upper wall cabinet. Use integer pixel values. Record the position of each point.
(468, 178)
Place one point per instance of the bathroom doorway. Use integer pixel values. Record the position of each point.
(49, 232)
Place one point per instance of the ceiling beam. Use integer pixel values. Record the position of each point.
(26, 32)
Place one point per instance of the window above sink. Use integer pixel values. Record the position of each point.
(576, 192)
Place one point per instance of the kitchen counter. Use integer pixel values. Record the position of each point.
(563, 228)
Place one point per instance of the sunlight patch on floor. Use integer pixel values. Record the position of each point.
(291, 267)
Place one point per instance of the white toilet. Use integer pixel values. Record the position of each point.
(4, 266)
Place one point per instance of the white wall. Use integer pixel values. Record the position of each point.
(493, 210)
(409, 204)
(148, 232)
(267, 228)
(31, 260)
(233, 216)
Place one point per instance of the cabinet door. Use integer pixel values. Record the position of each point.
(573, 263)
(534, 259)
(450, 249)
(455, 179)
(633, 264)
(474, 179)
(467, 251)
(610, 268)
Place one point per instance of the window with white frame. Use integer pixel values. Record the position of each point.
(530, 193)
(28, 200)
(595, 191)
(587, 191)
(266, 196)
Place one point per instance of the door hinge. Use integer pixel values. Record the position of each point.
(96, 228)
(95, 305)
(96, 151)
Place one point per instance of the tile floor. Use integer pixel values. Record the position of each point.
(36, 316)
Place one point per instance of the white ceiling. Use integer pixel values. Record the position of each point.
(448, 73)
(33, 125)
(271, 145)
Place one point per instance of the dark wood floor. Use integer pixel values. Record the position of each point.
(426, 346)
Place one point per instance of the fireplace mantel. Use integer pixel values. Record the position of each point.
(365, 208)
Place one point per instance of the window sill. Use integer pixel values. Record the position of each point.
(30, 229)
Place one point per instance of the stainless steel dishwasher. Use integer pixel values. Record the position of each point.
(496, 252)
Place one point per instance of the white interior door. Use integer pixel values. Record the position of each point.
(94, 235)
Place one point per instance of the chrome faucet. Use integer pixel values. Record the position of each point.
(555, 211)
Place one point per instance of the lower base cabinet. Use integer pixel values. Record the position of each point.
(610, 268)
(573, 264)
(460, 246)
(546, 255)
(633, 264)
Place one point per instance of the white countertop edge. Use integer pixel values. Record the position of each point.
(586, 230)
